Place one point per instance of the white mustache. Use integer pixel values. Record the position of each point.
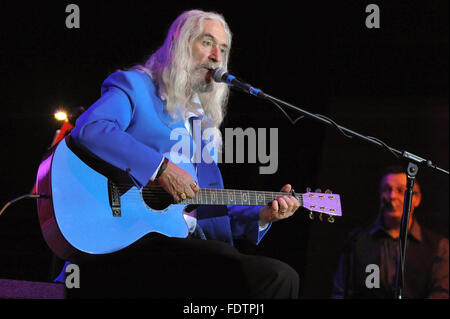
(208, 66)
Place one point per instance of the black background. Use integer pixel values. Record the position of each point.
(390, 83)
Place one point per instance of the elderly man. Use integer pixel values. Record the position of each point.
(426, 265)
(130, 128)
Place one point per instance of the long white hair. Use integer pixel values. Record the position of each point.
(170, 67)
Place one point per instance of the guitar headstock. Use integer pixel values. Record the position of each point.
(323, 203)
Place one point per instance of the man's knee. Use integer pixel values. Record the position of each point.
(272, 278)
(290, 277)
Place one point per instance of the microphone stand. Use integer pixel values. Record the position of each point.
(411, 172)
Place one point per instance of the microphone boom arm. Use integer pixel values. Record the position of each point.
(220, 75)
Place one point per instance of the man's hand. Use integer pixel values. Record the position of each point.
(178, 183)
(282, 207)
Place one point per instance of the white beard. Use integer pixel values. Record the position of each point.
(199, 82)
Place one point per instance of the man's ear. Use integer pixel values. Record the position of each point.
(417, 198)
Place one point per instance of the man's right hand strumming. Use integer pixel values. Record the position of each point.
(177, 182)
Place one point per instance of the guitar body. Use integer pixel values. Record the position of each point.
(77, 217)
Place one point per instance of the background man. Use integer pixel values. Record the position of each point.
(426, 265)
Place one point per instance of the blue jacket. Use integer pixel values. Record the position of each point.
(130, 128)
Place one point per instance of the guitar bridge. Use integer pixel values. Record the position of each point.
(114, 199)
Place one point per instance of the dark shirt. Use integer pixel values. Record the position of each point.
(426, 266)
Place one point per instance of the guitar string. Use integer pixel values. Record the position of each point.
(208, 192)
(205, 191)
(211, 195)
(239, 195)
(159, 188)
(157, 191)
(207, 195)
(203, 197)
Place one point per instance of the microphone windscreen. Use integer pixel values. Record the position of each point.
(218, 74)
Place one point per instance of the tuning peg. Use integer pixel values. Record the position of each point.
(311, 215)
(331, 219)
(320, 217)
(318, 190)
(328, 191)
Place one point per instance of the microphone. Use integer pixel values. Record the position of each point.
(220, 75)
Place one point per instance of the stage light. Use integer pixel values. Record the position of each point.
(61, 115)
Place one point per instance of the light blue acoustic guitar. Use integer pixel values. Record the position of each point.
(82, 211)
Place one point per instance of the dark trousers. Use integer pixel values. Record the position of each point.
(163, 267)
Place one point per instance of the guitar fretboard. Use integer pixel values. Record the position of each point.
(214, 196)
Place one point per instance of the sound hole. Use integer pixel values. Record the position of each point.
(156, 198)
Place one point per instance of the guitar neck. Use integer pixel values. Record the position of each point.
(318, 202)
(214, 196)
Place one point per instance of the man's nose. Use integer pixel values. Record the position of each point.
(215, 55)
